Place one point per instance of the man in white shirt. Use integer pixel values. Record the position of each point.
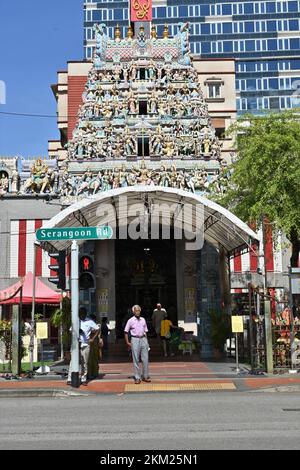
(157, 317)
(88, 331)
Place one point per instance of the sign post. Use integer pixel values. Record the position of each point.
(75, 379)
(74, 234)
(237, 327)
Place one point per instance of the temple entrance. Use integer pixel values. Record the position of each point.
(145, 275)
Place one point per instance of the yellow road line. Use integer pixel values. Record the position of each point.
(180, 387)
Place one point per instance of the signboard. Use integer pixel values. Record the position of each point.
(141, 10)
(42, 330)
(74, 233)
(237, 324)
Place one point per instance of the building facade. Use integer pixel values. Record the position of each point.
(263, 37)
(142, 121)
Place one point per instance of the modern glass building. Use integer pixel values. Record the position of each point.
(263, 37)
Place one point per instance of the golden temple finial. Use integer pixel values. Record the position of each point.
(153, 32)
(130, 33)
(117, 33)
(166, 32)
(142, 29)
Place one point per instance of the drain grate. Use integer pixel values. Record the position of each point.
(203, 387)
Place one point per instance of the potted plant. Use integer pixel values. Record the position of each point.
(220, 331)
(61, 318)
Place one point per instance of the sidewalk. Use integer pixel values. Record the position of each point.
(116, 378)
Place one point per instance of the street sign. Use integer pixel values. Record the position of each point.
(74, 233)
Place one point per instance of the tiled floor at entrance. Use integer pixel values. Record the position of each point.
(169, 370)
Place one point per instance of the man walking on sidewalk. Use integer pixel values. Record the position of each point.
(137, 327)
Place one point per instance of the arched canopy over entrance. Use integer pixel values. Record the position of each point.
(119, 208)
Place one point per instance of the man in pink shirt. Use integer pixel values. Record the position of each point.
(137, 327)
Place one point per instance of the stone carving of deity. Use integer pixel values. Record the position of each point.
(3, 183)
(132, 104)
(153, 104)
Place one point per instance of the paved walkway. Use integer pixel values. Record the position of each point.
(116, 378)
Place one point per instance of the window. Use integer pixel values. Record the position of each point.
(227, 46)
(143, 147)
(161, 12)
(214, 88)
(143, 108)
(227, 28)
(249, 27)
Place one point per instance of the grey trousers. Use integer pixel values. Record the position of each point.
(84, 352)
(140, 350)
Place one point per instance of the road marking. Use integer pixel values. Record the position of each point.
(179, 387)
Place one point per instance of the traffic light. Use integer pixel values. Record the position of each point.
(60, 269)
(86, 269)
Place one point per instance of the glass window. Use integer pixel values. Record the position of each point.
(183, 12)
(294, 43)
(273, 83)
(161, 12)
(293, 6)
(273, 65)
(205, 28)
(214, 90)
(251, 84)
(272, 45)
(205, 48)
(249, 27)
(270, 7)
(226, 9)
(251, 103)
(274, 103)
(204, 10)
(248, 8)
(271, 26)
(250, 45)
(227, 28)
(295, 64)
(227, 46)
(118, 14)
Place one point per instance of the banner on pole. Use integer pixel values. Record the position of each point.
(141, 10)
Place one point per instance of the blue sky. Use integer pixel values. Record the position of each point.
(37, 38)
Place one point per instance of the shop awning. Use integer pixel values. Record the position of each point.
(43, 293)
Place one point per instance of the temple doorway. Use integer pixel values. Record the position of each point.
(145, 275)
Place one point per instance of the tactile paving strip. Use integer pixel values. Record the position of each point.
(179, 387)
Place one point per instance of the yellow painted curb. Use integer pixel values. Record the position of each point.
(179, 387)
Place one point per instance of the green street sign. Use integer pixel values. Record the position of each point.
(74, 233)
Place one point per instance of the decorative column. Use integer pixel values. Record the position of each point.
(105, 282)
(208, 295)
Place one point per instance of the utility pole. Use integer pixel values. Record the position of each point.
(267, 306)
(74, 365)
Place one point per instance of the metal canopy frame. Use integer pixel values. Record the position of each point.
(221, 227)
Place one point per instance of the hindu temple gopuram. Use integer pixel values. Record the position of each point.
(143, 119)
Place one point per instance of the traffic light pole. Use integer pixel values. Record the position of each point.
(75, 315)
